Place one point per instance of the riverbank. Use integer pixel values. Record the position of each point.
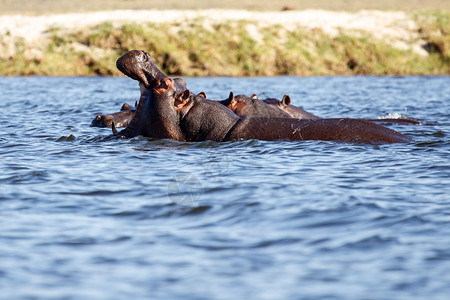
(229, 42)
(63, 6)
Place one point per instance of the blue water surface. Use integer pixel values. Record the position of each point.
(85, 216)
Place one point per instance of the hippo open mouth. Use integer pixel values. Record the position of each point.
(167, 109)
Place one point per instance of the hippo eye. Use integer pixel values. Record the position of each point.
(99, 117)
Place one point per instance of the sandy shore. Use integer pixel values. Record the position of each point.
(397, 27)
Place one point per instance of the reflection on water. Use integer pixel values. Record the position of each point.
(86, 216)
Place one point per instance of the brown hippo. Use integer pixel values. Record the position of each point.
(120, 119)
(251, 107)
(126, 113)
(285, 106)
(168, 110)
(270, 107)
(293, 111)
(243, 105)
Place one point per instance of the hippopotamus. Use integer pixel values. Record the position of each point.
(126, 113)
(270, 107)
(120, 119)
(285, 106)
(168, 110)
(242, 105)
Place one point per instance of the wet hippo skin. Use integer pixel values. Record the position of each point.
(120, 119)
(168, 110)
(247, 106)
(251, 106)
(126, 113)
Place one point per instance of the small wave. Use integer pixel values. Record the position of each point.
(400, 118)
(233, 244)
(368, 243)
(39, 176)
(94, 193)
(99, 139)
(59, 152)
(127, 213)
(393, 116)
(145, 144)
(409, 220)
(439, 133)
(82, 241)
(439, 255)
(431, 144)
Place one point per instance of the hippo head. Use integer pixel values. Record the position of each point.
(279, 104)
(251, 106)
(98, 121)
(153, 117)
(140, 66)
(285, 106)
(119, 119)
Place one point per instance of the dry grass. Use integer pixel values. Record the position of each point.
(192, 50)
(59, 6)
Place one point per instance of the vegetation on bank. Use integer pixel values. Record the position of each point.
(232, 48)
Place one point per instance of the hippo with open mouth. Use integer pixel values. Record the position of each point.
(168, 109)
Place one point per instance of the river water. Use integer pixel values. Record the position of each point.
(84, 216)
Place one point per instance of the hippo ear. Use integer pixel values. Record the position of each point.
(182, 99)
(202, 94)
(254, 96)
(135, 103)
(126, 106)
(286, 100)
(228, 101)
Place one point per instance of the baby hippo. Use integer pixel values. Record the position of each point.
(120, 119)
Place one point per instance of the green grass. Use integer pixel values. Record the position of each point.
(228, 49)
(435, 30)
